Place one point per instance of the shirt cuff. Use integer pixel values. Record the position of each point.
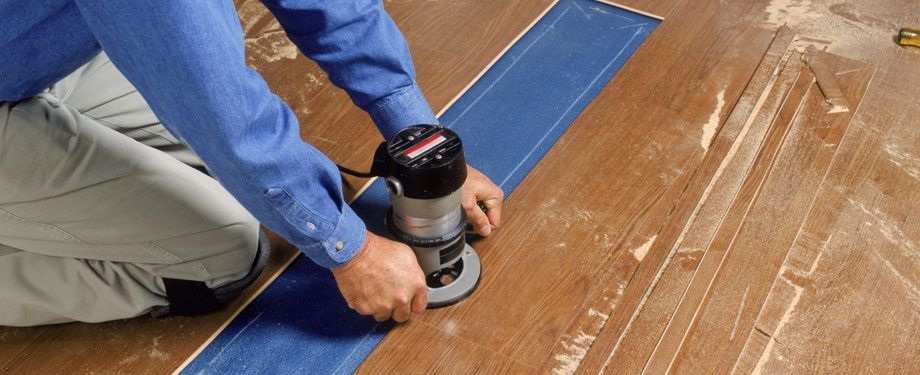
(345, 241)
(401, 109)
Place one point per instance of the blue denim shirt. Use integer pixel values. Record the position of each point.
(186, 58)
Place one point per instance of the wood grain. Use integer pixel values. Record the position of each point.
(531, 290)
(758, 245)
(437, 353)
(703, 204)
(641, 282)
(451, 42)
(826, 81)
(594, 259)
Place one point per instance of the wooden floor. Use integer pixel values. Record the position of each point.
(734, 224)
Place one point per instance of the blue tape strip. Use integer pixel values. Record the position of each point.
(508, 120)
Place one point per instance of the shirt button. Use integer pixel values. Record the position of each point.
(339, 245)
(311, 225)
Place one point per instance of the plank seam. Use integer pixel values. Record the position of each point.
(743, 133)
(747, 210)
(799, 233)
(667, 260)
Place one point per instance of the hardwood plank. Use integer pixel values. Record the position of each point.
(715, 253)
(847, 296)
(436, 352)
(818, 23)
(826, 81)
(857, 308)
(452, 42)
(763, 239)
(704, 203)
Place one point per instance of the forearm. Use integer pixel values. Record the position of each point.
(187, 60)
(363, 52)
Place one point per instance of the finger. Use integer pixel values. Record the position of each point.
(494, 211)
(382, 317)
(401, 313)
(479, 219)
(420, 301)
(363, 310)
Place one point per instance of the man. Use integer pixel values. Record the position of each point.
(111, 110)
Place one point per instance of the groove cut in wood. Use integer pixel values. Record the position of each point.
(722, 169)
(770, 228)
(613, 350)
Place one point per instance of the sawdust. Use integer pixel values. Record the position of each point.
(791, 12)
(603, 240)
(842, 27)
(575, 350)
(639, 252)
(595, 313)
(740, 310)
(889, 228)
(550, 215)
(710, 127)
(129, 359)
(903, 160)
(155, 352)
(264, 44)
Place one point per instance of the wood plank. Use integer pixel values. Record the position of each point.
(818, 23)
(737, 290)
(452, 42)
(826, 81)
(847, 295)
(724, 168)
(438, 352)
(730, 225)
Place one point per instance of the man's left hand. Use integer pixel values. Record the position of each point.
(479, 188)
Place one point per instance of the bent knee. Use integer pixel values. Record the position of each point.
(236, 262)
(216, 256)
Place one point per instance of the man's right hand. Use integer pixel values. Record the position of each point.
(384, 280)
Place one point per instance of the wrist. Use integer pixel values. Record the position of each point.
(362, 253)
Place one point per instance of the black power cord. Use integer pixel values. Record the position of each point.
(355, 173)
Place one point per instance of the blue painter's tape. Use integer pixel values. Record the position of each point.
(508, 120)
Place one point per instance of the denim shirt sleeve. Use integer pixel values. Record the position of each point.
(187, 60)
(363, 52)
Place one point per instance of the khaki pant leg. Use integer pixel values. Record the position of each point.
(92, 220)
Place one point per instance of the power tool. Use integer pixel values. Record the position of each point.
(424, 169)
